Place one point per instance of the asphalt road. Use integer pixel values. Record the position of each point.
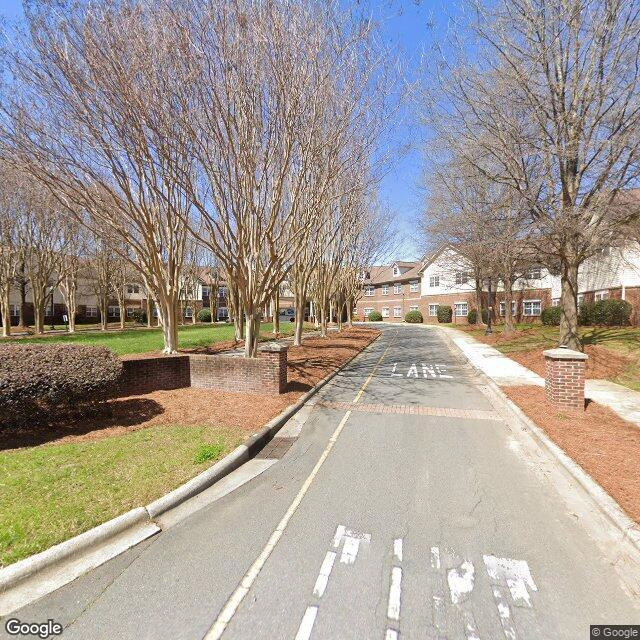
(407, 508)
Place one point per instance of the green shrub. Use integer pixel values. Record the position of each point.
(414, 317)
(375, 316)
(204, 315)
(445, 313)
(551, 316)
(38, 379)
(586, 313)
(608, 313)
(472, 317)
(139, 316)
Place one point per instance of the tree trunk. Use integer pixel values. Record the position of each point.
(299, 317)
(5, 310)
(169, 317)
(479, 319)
(276, 313)
(104, 308)
(149, 310)
(22, 286)
(38, 311)
(508, 317)
(323, 320)
(350, 313)
(569, 304)
(252, 332)
(123, 313)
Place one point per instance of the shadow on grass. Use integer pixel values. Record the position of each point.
(125, 412)
(602, 335)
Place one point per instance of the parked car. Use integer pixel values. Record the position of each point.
(287, 315)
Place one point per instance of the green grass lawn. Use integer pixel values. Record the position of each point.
(52, 492)
(132, 341)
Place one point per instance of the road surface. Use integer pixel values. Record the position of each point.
(407, 508)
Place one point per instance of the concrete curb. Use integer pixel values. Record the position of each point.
(607, 505)
(99, 536)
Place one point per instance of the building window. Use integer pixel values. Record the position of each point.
(155, 313)
(580, 300)
(385, 289)
(397, 312)
(14, 310)
(461, 309)
(133, 288)
(206, 292)
(385, 312)
(413, 286)
(555, 302)
(369, 290)
(223, 313)
(531, 308)
(503, 308)
(534, 273)
(91, 312)
(397, 288)
(433, 310)
(462, 277)
(434, 281)
(114, 312)
(130, 312)
(367, 311)
(396, 271)
(413, 308)
(601, 295)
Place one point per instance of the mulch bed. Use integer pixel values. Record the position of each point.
(603, 444)
(307, 365)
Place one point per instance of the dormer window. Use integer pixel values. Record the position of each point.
(396, 271)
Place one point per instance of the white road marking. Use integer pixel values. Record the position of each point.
(505, 615)
(461, 581)
(439, 613)
(306, 626)
(470, 628)
(391, 634)
(435, 558)
(517, 575)
(413, 371)
(231, 606)
(323, 576)
(441, 371)
(350, 550)
(368, 380)
(395, 594)
(337, 539)
(397, 549)
(393, 371)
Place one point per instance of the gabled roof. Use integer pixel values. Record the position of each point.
(381, 274)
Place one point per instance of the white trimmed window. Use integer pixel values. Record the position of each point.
(433, 310)
(413, 286)
(555, 302)
(130, 312)
(531, 308)
(601, 295)
(580, 300)
(534, 273)
(413, 308)
(397, 288)
(461, 309)
(434, 281)
(223, 313)
(133, 288)
(206, 291)
(385, 312)
(14, 310)
(367, 311)
(91, 312)
(503, 309)
(397, 312)
(188, 312)
(369, 290)
(155, 312)
(114, 312)
(396, 271)
(462, 277)
(385, 289)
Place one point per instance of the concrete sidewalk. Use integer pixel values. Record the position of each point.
(506, 372)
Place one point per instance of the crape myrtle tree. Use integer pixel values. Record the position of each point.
(10, 205)
(92, 118)
(71, 263)
(552, 101)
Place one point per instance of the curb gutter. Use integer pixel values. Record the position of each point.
(607, 505)
(140, 519)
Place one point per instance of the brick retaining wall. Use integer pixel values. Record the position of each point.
(564, 379)
(265, 374)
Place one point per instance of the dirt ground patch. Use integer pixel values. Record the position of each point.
(603, 444)
(307, 365)
(602, 363)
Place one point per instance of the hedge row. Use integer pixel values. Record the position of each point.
(610, 313)
(37, 379)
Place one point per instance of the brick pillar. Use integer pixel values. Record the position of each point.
(274, 374)
(564, 379)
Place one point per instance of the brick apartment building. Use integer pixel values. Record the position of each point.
(444, 278)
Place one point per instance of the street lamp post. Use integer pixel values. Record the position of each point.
(488, 330)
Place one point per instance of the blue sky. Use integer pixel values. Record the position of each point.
(412, 26)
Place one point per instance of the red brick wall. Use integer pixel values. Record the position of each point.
(564, 383)
(265, 374)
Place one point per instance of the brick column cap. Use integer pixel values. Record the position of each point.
(563, 353)
(274, 347)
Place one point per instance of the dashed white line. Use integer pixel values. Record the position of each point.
(306, 626)
(350, 550)
(397, 549)
(505, 614)
(391, 634)
(435, 558)
(461, 581)
(395, 594)
(323, 576)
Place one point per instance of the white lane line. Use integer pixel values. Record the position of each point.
(306, 626)
(349, 550)
(397, 549)
(460, 581)
(230, 608)
(435, 558)
(395, 594)
(323, 576)
(337, 539)
(391, 634)
(439, 613)
(505, 615)
(470, 628)
(517, 576)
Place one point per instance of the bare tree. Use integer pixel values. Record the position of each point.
(71, 266)
(10, 203)
(551, 109)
